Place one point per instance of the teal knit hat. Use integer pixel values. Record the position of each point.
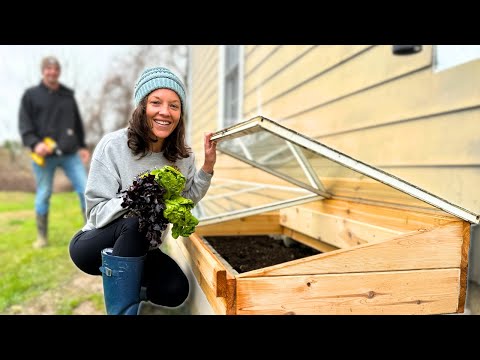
(158, 78)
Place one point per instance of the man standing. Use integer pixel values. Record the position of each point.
(51, 127)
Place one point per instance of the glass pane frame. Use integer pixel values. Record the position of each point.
(229, 199)
(302, 145)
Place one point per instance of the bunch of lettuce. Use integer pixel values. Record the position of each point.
(178, 209)
(154, 197)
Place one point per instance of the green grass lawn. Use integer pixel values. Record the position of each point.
(26, 272)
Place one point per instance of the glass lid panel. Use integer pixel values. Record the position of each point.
(311, 165)
(229, 199)
(344, 183)
(268, 152)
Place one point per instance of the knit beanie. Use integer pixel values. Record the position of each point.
(158, 78)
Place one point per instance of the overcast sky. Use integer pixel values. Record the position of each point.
(83, 67)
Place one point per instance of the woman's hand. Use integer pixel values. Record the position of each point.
(210, 153)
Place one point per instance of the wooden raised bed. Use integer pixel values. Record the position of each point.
(383, 253)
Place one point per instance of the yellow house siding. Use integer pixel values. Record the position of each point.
(204, 95)
(208, 101)
(204, 55)
(457, 184)
(437, 140)
(368, 68)
(313, 63)
(420, 94)
(262, 53)
(207, 65)
(250, 48)
(393, 112)
(434, 153)
(421, 127)
(284, 57)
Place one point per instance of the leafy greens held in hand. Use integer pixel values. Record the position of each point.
(144, 199)
(178, 213)
(170, 179)
(155, 199)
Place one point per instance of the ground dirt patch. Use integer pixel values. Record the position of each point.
(16, 173)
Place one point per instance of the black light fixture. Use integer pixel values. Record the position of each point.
(406, 49)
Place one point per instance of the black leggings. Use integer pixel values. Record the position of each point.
(165, 282)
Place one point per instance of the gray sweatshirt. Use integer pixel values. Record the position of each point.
(113, 169)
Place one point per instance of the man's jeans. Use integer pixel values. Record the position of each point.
(74, 169)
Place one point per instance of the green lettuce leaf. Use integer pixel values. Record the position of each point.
(171, 179)
(177, 212)
(177, 208)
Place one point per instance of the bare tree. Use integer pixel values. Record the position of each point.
(176, 58)
(14, 149)
(113, 107)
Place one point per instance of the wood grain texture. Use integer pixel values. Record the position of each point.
(205, 267)
(333, 230)
(435, 249)
(308, 240)
(262, 224)
(401, 219)
(464, 266)
(369, 293)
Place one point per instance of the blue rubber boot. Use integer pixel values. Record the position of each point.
(122, 278)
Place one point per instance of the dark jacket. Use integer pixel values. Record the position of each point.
(45, 112)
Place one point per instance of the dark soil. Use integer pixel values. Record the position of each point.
(246, 253)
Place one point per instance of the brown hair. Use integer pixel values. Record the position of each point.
(140, 136)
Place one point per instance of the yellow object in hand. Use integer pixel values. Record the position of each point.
(52, 145)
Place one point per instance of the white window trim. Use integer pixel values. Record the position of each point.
(459, 59)
(221, 85)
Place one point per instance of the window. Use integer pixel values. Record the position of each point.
(447, 56)
(231, 85)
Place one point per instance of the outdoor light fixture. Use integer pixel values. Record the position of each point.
(406, 49)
